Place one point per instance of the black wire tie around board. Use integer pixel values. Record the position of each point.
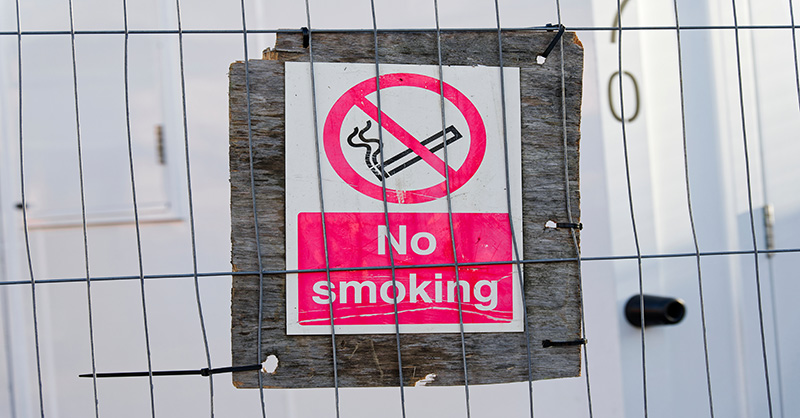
(306, 36)
(552, 45)
(201, 372)
(549, 343)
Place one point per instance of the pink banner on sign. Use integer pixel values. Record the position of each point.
(425, 295)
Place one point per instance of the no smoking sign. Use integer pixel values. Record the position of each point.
(415, 159)
(393, 148)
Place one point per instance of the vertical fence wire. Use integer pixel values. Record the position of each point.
(136, 212)
(750, 208)
(23, 207)
(777, 378)
(691, 211)
(255, 209)
(386, 213)
(630, 204)
(317, 154)
(774, 299)
(450, 211)
(185, 121)
(570, 219)
(514, 241)
(794, 51)
(83, 206)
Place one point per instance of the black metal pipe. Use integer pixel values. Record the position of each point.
(658, 310)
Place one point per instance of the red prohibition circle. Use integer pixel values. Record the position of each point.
(355, 97)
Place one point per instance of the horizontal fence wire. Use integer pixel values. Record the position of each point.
(398, 30)
(406, 266)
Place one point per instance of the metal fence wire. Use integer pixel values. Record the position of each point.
(115, 217)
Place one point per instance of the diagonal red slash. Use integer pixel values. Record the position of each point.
(405, 137)
(355, 97)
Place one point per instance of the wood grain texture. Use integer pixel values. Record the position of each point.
(552, 289)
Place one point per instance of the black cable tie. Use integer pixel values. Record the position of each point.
(548, 343)
(552, 45)
(569, 225)
(306, 36)
(201, 372)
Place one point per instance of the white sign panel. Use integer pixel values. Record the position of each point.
(410, 160)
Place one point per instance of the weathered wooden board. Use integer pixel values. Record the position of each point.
(552, 289)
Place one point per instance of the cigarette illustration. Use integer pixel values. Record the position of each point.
(401, 160)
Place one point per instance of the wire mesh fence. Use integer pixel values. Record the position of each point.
(115, 232)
